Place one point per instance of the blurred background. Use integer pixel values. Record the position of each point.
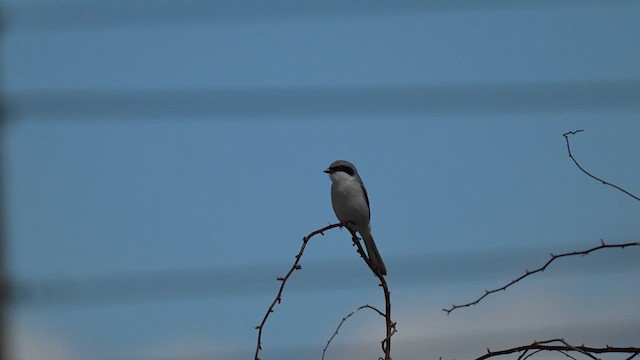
(162, 160)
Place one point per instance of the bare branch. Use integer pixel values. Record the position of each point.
(575, 348)
(390, 325)
(565, 354)
(283, 280)
(541, 269)
(566, 138)
(632, 356)
(564, 348)
(522, 356)
(335, 333)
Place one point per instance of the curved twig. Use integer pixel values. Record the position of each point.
(566, 138)
(390, 326)
(541, 269)
(283, 280)
(335, 333)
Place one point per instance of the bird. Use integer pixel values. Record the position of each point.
(351, 204)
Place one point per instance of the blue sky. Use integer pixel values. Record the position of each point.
(145, 233)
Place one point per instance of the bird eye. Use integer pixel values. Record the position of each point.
(345, 169)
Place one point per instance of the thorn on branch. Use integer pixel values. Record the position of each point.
(298, 267)
(280, 278)
(572, 132)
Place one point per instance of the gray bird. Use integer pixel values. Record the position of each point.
(351, 205)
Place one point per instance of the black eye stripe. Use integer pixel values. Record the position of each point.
(344, 168)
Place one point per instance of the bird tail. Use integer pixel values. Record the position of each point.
(372, 251)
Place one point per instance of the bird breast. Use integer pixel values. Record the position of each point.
(349, 202)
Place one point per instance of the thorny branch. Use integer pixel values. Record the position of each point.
(335, 333)
(283, 280)
(541, 269)
(390, 326)
(554, 257)
(560, 345)
(566, 138)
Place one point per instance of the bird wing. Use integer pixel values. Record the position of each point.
(366, 197)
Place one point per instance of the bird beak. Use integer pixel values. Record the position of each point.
(327, 171)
